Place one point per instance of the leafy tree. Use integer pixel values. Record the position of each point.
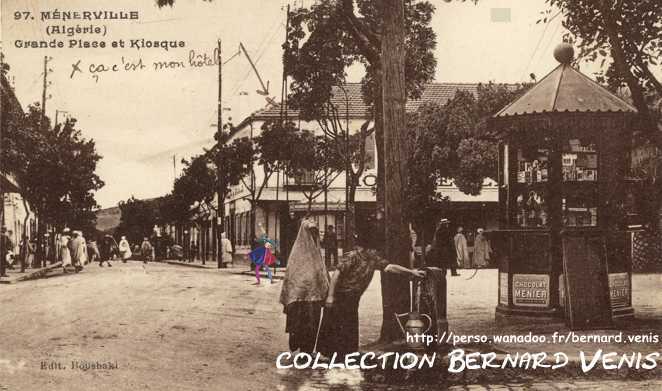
(625, 36)
(422, 199)
(56, 170)
(240, 159)
(54, 167)
(199, 183)
(314, 163)
(326, 38)
(138, 218)
(452, 141)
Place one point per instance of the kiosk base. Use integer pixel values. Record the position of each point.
(517, 315)
(622, 313)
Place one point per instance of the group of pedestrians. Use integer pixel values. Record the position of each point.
(482, 250)
(321, 307)
(73, 251)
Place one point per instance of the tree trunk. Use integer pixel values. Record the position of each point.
(350, 225)
(394, 287)
(252, 224)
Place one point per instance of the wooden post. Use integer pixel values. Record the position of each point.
(220, 191)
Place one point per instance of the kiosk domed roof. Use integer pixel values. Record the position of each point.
(565, 89)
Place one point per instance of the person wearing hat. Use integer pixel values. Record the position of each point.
(441, 253)
(482, 249)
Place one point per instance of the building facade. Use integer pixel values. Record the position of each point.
(283, 201)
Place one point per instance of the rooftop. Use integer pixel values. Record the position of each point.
(565, 89)
(356, 108)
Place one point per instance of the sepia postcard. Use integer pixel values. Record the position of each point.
(331, 195)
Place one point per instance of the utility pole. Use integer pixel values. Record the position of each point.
(43, 126)
(43, 95)
(220, 191)
(174, 168)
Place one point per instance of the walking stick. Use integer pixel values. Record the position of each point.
(319, 326)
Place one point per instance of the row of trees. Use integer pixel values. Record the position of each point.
(55, 166)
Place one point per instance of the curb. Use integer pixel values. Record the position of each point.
(262, 274)
(195, 265)
(33, 275)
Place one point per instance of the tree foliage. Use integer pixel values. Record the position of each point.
(196, 185)
(138, 217)
(331, 35)
(314, 163)
(625, 37)
(455, 140)
(55, 168)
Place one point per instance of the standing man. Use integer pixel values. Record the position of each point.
(441, 253)
(330, 244)
(461, 249)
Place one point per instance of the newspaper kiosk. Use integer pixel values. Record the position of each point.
(562, 170)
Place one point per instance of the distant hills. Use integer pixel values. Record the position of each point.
(108, 219)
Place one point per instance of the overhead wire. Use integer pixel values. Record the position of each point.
(264, 46)
(535, 50)
(549, 42)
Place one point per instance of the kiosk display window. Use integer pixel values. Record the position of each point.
(579, 162)
(530, 188)
(579, 165)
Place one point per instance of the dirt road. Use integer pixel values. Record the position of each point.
(167, 327)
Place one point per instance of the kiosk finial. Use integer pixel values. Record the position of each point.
(564, 53)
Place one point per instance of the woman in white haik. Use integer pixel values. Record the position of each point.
(125, 249)
(227, 249)
(305, 288)
(65, 254)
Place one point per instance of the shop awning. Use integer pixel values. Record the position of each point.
(317, 207)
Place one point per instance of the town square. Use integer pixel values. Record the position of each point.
(331, 194)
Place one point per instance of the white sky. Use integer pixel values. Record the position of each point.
(139, 119)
